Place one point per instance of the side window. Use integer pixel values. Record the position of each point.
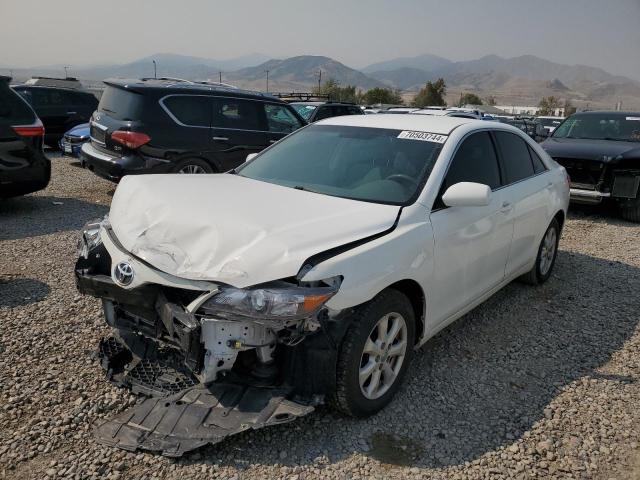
(190, 110)
(323, 112)
(280, 119)
(355, 111)
(515, 157)
(238, 114)
(538, 165)
(475, 161)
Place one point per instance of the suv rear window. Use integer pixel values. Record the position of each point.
(121, 104)
(14, 110)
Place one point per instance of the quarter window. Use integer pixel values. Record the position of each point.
(280, 119)
(190, 110)
(238, 114)
(538, 165)
(515, 157)
(475, 161)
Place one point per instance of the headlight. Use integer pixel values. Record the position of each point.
(277, 301)
(90, 238)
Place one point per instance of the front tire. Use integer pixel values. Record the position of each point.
(546, 258)
(374, 354)
(630, 209)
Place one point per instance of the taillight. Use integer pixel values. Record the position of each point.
(34, 130)
(130, 139)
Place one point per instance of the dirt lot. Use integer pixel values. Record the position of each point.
(537, 382)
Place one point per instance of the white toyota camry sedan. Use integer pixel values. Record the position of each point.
(312, 272)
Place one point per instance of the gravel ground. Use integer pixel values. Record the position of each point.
(537, 382)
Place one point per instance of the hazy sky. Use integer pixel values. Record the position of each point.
(602, 33)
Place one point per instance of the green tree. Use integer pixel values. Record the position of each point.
(469, 99)
(490, 100)
(381, 95)
(432, 94)
(569, 109)
(335, 92)
(548, 105)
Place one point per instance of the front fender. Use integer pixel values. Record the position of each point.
(406, 253)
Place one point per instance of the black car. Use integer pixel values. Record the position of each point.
(314, 111)
(530, 126)
(23, 165)
(59, 108)
(167, 125)
(601, 152)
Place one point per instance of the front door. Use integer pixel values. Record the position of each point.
(471, 243)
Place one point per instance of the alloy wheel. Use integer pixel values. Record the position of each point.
(383, 355)
(548, 251)
(192, 169)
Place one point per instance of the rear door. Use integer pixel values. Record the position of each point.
(239, 127)
(525, 197)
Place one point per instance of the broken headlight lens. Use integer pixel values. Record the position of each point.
(90, 238)
(278, 301)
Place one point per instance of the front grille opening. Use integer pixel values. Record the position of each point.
(585, 174)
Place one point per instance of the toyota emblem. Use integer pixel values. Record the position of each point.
(123, 273)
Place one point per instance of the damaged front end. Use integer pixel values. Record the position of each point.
(213, 359)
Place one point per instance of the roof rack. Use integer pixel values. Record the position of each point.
(190, 82)
(299, 96)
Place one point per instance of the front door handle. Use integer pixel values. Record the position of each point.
(220, 139)
(506, 207)
(272, 141)
(71, 113)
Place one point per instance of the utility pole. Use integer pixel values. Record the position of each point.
(267, 80)
(66, 68)
(155, 70)
(220, 75)
(319, 80)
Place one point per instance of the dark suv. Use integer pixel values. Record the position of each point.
(314, 111)
(166, 125)
(23, 165)
(59, 108)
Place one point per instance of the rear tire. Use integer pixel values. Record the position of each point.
(371, 365)
(193, 166)
(546, 258)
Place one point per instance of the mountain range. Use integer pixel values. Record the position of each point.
(518, 80)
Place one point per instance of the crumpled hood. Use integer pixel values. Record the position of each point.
(603, 150)
(234, 230)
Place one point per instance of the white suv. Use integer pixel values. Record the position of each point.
(317, 267)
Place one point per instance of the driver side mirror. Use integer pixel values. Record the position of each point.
(467, 194)
(251, 156)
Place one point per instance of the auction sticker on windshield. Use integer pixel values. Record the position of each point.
(423, 136)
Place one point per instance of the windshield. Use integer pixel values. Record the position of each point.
(604, 126)
(305, 111)
(550, 122)
(370, 164)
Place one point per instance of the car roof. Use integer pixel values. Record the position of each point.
(424, 123)
(184, 86)
(607, 112)
(22, 86)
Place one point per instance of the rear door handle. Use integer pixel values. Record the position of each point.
(71, 113)
(220, 139)
(272, 141)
